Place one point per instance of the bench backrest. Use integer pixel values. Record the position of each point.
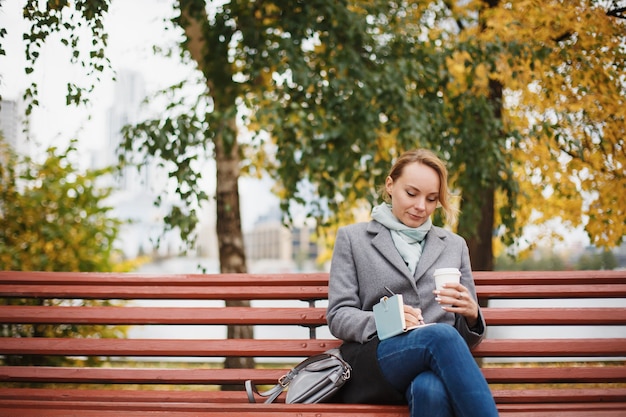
(187, 316)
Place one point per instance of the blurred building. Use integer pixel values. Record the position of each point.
(11, 116)
(137, 187)
(125, 109)
(9, 121)
(270, 241)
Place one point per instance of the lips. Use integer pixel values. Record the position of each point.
(415, 216)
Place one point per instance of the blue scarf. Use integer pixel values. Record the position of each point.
(408, 240)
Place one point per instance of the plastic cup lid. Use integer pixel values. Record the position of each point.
(443, 271)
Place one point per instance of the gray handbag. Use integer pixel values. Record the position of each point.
(311, 381)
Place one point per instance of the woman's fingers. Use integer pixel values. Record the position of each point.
(456, 298)
(413, 316)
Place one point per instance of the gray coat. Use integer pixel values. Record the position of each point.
(365, 261)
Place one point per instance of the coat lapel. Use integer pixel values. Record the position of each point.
(382, 241)
(433, 247)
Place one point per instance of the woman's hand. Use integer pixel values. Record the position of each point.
(455, 298)
(412, 316)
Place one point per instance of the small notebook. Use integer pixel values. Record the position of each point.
(389, 317)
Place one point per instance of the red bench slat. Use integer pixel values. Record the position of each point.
(508, 396)
(289, 347)
(155, 292)
(212, 376)
(163, 315)
(551, 291)
(182, 292)
(165, 347)
(549, 277)
(281, 315)
(134, 408)
(313, 279)
(305, 279)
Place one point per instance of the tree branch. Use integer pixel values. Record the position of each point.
(616, 9)
(563, 37)
(459, 22)
(618, 12)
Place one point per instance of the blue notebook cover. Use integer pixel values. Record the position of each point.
(389, 317)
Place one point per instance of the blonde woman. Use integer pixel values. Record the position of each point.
(431, 368)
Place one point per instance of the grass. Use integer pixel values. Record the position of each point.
(557, 385)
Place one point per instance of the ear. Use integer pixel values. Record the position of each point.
(388, 185)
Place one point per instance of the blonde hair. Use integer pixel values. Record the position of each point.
(428, 158)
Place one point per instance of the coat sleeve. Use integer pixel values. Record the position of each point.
(346, 319)
(473, 336)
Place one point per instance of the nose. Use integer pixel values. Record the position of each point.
(420, 203)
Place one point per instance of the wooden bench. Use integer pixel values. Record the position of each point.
(178, 321)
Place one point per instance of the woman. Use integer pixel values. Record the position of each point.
(431, 368)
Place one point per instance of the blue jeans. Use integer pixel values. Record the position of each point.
(435, 369)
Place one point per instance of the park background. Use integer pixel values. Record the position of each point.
(133, 28)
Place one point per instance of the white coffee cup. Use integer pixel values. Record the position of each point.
(445, 275)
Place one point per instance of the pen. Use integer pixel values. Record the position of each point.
(420, 321)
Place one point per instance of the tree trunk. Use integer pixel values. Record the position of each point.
(480, 240)
(480, 236)
(229, 234)
(228, 219)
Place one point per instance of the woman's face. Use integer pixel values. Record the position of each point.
(414, 194)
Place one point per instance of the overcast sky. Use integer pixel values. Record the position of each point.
(133, 28)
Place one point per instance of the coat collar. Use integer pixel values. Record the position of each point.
(433, 246)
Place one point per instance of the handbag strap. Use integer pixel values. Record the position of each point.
(283, 381)
(271, 393)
